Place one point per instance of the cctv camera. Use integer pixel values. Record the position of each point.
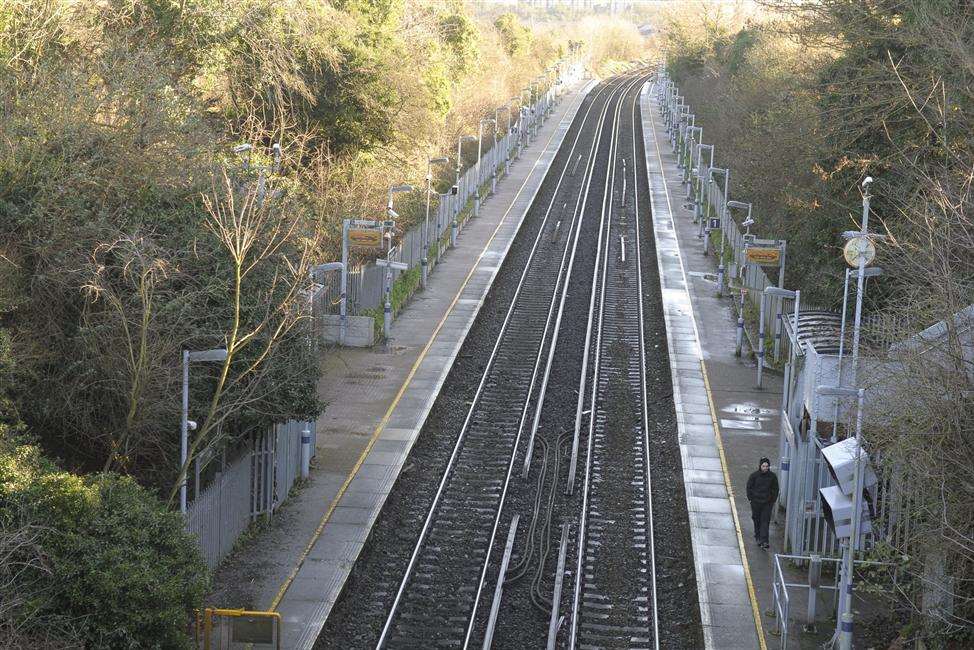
(393, 213)
(191, 425)
(241, 148)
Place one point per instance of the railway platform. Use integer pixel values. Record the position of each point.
(726, 423)
(377, 400)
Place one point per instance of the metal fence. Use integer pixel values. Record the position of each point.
(365, 283)
(253, 484)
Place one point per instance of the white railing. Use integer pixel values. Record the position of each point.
(252, 485)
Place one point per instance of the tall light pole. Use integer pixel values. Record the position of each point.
(456, 212)
(515, 144)
(870, 272)
(689, 142)
(389, 264)
(864, 257)
(216, 354)
(426, 228)
(844, 618)
(740, 317)
(526, 115)
(480, 149)
(721, 210)
(701, 175)
(723, 239)
(507, 149)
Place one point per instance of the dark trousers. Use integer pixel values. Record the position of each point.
(761, 516)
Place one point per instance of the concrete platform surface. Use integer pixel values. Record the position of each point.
(378, 399)
(725, 424)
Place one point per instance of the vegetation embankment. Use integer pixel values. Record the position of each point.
(803, 100)
(131, 229)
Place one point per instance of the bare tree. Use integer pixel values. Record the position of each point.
(269, 256)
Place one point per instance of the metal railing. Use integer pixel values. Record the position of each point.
(253, 485)
(365, 283)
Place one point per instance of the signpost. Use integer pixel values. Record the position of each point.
(365, 237)
(763, 256)
(357, 233)
(769, 253)
(387, 290)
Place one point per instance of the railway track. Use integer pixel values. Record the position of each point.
(614, 604)
(437, 599)
(540, 531)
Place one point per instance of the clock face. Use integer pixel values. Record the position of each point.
(859, 250)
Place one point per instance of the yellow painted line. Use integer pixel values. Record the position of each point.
(395, 402)
(755, 608)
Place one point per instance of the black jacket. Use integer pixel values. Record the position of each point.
(762, 487)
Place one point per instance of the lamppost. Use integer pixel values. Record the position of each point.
(782, 294)
(870, 272)
(860, 247)
(689, 142)
(424, 262)
(456, 212)
(701, 175)
(515, 143)
(480, 149)
(748, 222)
(216, 354)
(721, 212)
(507, 148)
(389, 264)
(535, 112)
(723, 238)
(844, 619)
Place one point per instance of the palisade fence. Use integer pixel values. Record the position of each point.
(260, 474)
(249, 486)
(365, 283)
(709, 202)
(803, 466)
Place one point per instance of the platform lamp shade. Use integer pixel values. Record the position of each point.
(837, 500)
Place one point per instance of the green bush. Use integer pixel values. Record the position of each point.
(117, 565)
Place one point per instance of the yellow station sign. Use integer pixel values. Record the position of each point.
(364, 237)
(763, 256)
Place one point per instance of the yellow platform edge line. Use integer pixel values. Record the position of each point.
(395, 402)
(755, 607)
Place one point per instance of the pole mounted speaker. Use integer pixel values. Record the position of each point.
(837, 500)
(840, 458)
(837, 508)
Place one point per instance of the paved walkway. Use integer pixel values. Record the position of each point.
(377, 400)
(726, 423)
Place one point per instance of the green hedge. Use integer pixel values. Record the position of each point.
(118, 567)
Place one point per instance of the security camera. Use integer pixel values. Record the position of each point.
(241, 148)
(866, 181)
(191, 425)
(748, 222)
(393, 213)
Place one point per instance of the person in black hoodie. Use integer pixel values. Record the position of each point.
(762, 492)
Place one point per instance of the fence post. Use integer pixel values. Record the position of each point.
(814, 578)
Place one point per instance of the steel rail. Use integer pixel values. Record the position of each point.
(642, 364)
(479, 392)
(577, 218)
(579, 411)
(617, 94)
(601, 288)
